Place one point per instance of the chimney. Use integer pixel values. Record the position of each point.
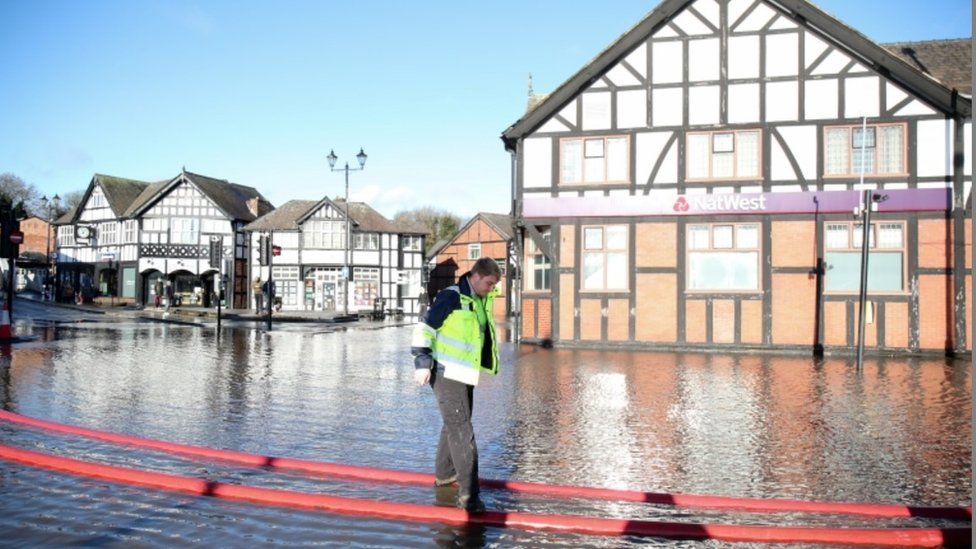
(258, 206)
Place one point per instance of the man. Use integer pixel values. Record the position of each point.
(454, 341)
(257, 288)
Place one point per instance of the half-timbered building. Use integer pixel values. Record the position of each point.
(98, 244)
(699, 185)
(127, 235)
(385, 259)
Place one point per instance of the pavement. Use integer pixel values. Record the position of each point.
(197, 314)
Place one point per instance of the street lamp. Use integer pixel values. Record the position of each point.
(346, 270)
(51, 207)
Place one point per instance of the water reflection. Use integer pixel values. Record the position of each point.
(748, 425)
(761, 426)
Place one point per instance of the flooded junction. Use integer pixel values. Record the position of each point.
(737, 425)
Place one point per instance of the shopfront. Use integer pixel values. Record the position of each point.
(760, 270)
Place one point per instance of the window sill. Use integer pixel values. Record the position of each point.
(866, 174)
(698, 292)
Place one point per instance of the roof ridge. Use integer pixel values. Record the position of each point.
(927, 41)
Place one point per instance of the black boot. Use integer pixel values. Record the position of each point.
(471, 504)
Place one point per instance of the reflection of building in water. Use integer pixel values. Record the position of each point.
(717, 411)
(604, 426)
(741, 425)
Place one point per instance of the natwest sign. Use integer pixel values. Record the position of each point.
(720, 203)
(896, 200)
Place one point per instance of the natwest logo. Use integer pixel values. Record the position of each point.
(720, 203)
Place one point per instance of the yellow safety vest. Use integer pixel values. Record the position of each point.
(457, 343)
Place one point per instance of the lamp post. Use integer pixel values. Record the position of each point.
(51, 207)
(347, 249)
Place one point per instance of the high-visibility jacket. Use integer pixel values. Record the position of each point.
(459, 343)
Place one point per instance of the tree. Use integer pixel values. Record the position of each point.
(440, 224)
(17, 193)
(70, 200)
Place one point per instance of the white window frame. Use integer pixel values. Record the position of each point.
(324, 234)
(366, 241)
(108, 233)
(725, 143)
(98, 199)
(66, 235)
(538, 266)
(850, 245)
(845, 148)
(599, 255)
(411, 243)
(130, 231)
(474, 250)
(708, 241)
(184, 230)
(579, 152)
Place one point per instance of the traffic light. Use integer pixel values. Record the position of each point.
(216, 251)
(8, 225)
(264, 250)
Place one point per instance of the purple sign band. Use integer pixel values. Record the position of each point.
(888, 200)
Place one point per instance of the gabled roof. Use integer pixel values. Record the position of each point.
(501, 223)
(436, 248)
(119, 192)
(284, 218)
(948, 61)
(230, 198)
(292, 214)
(67, 218)
(366, 218)
(145, 196)
(887, 64)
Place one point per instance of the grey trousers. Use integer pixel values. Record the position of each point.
(457, 452)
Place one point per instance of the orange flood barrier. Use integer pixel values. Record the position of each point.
(901, 537)
(406, 477)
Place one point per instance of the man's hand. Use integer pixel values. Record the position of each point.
(423, 363)
(421, 377)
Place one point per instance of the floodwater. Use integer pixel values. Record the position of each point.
(738, 425)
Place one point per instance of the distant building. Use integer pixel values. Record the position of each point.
(484, 235)
(33, 263)
(694, 187)
(386, 258)
(127, 234)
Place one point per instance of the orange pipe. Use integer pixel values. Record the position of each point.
(903, 537)
(407, 477)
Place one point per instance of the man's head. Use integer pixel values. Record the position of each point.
(484, 275)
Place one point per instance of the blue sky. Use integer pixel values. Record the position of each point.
(259, 92)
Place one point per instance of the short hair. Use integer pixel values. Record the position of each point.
(486, 266)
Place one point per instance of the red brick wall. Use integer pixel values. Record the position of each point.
(657, 308)
(935, 312)
(695, 321)
(36, 236)
(794, 244)
(544, 312)
(591, 319)
(793, 309)
(750, 311)
(492, 245)
(723, 321)
(618, 320)
(896, 325)
(528, 318)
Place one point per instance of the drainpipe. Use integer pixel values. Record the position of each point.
(517, 235)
